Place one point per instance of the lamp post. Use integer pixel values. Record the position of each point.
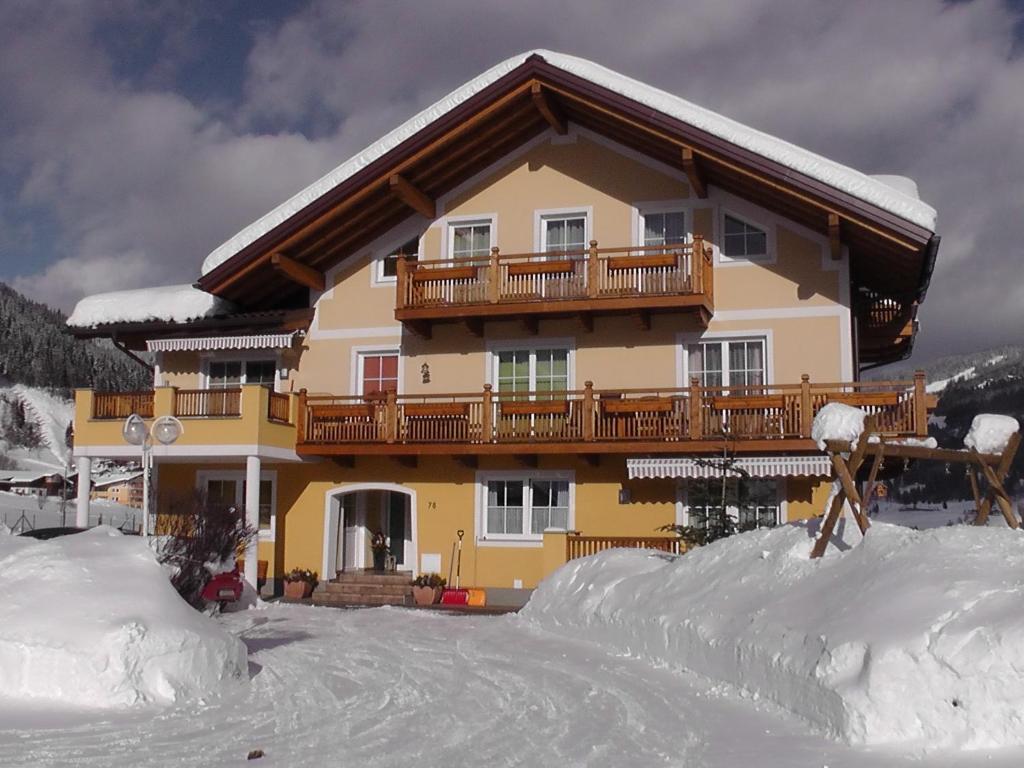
(166, 430)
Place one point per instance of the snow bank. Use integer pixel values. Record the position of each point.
(887, 193)
(990, 432)
(910, 637)
(91, 621)
(169, 303)
(837, 421)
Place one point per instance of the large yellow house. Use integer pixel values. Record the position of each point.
(530, 314)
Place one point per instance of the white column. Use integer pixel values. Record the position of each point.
(252, 516)
(84, 489)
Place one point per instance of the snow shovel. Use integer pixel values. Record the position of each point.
(456, 596)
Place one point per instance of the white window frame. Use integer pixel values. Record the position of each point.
(641, 209)
(770, 254)
(523, 539)
(377, 277)
(683, 341)
(241, 357)
(448, 242)
(203, 477)
(359, 354)
(781, 496)
(541, 216)
(533, 345)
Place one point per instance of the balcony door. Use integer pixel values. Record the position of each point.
(521, 371)
(728, 362)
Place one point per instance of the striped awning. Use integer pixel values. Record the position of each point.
(754, 466)
(202, 343)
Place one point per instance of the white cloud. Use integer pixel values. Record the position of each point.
(144, 182)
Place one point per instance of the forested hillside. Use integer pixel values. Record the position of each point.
(36, 350)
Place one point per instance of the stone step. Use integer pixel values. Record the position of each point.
(345, 600)
(371, 577)
(345, 588)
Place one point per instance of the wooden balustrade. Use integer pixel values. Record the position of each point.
(278, 406)
(121, 405)
(217, 403)
(583, 546)
(755, 412)
(590, 274)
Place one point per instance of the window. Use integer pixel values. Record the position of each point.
(232, 373)
(378, 372)
(663, 228)
(227, 489)
(388, 266)
(470, 239)
(742, 240)
(733, 362)
(751, 503)
(564, 233)
(531, 370)
(522, 507)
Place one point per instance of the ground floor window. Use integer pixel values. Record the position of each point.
(523, 507)
(751, 502)
(227, 489)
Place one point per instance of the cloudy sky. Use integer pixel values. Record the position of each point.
(137, 136)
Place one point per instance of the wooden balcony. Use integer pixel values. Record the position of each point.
(590, 421)
(530, 286)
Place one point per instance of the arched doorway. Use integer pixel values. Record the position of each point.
(353, 513)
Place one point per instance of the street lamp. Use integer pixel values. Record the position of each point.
(166, 430)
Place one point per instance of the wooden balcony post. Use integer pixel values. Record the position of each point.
(695, 410)
(588, 410)
(920, 404)
(300, 416)
(403, 275)
(806, 417)
(487, 417)
(391, 416)
(697, 264)
(494, 277)
(593, 270)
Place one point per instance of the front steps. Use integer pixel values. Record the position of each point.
(365, 588)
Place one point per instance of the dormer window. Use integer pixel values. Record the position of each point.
(742, 240)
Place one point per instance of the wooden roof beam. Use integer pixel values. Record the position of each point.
(834, 240)
(694, 173)
(412, 196)
(549, 109)
(298, 273)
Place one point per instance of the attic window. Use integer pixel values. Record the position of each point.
(742, 240)
(389, 264)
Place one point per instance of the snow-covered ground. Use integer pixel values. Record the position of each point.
(101, 512)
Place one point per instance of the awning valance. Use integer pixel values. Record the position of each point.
(203, 343)
(754, 466)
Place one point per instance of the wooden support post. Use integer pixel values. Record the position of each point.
(696, 428)
(593, 271)
(806, 417)
(548, 109)
(298, 273)
(494, 277)
(643, 320)
(996, 490)
(835, 243)
(693, 173)
(1002, 470)
(467, 460)
(920, 405)
(487, 417)
(391, 416)
(300, 417)
(588, 411)
(412, 197)
(973, 477)
(401, 283)
(873, 474)
(845, 476)
(828, 525)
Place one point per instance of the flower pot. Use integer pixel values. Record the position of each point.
(378, 559)
(426, 595)
(298, 590)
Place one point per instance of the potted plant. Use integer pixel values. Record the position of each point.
(379, 545)
(426, 588)
(299, 583)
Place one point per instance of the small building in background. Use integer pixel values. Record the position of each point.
(123, 488)
(31, 482)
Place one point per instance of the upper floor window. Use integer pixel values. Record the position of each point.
(663, 227)
(742, 240)
(233, 373)
(732, 362)
(531, 370)
(378, 373)
(563, 233)
(470, 239)
(388, 266)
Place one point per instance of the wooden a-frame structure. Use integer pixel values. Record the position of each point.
(992, 468)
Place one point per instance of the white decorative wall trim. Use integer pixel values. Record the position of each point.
(207, 343)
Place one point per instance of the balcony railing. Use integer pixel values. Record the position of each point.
(121, 405)
(603, 417)
(658, 276)
(583, 546)
(200, 403)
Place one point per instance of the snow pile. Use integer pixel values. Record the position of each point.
(837, 421)
(91, 620)
(910, 637)
(169, 303)
(990, 432)
(893, 196)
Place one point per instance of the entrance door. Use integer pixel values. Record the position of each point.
(397, 525)
(351, 525)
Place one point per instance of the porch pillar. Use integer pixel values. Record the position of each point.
(84, 489)
(252, 517)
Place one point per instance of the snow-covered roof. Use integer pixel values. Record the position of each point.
(167, 303)
(890, 195)
(25, 476)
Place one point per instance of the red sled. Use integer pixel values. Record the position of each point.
(455, 597)
(223, 588)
